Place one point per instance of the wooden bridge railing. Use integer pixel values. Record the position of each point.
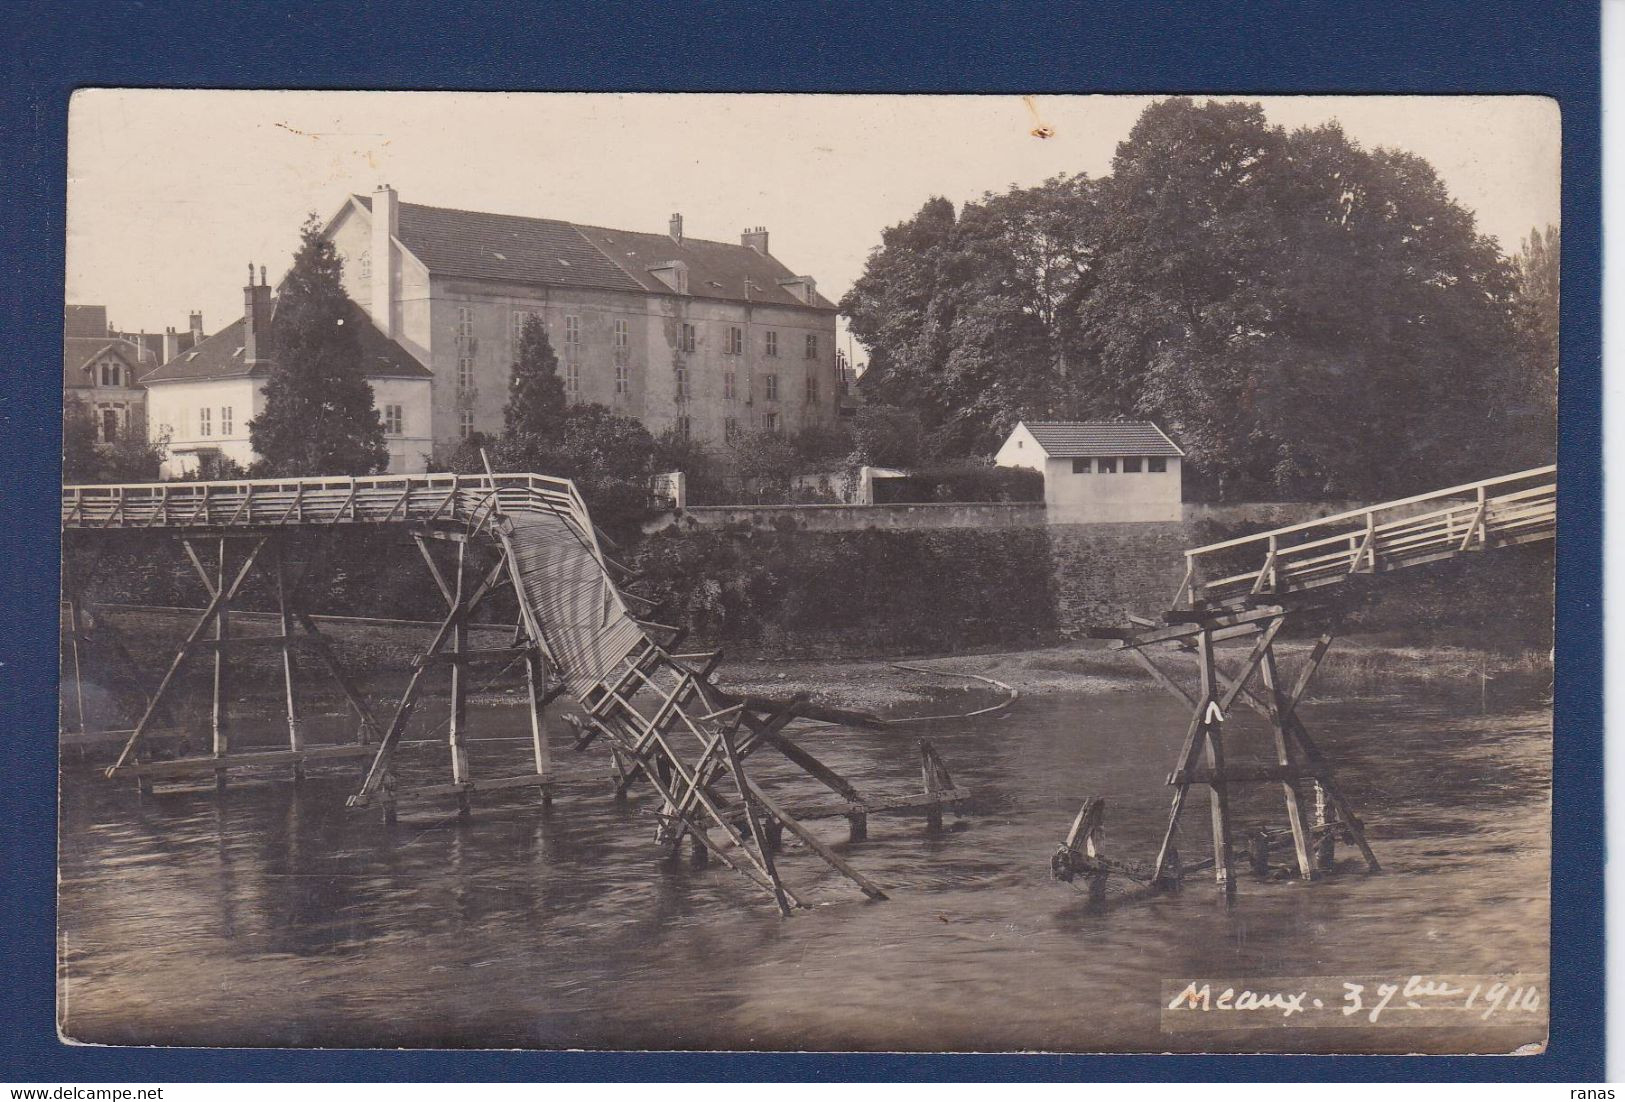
(458, 499)
(1496, 512)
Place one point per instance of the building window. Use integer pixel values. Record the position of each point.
(572, 379)
(572, 330)
(730, 427)
(204, 425)
(110, 424)
(728, 391)
(770, 387)
(1079, 466)
(623, 335)
(683, 427)
(365, 261)
(1131, 464)
(772, 342)
(465, 371)
(682, 383)
(465, 423)
(392, 420)
(112, 373)
(1156, 464)
(688, 337)
(1106, 466)
(735, 344)
(812, 390)
(225, 420)
(516, 329)
(770, 422)
(622, 382)
(465, 324)
(812, 346)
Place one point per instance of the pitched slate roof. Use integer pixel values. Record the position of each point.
(1079, 439)
(515, 248)
(78, 354)
(715, 269)
(221, 356)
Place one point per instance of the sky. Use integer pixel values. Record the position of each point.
(172, 193)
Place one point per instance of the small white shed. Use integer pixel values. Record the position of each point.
(1100, 470)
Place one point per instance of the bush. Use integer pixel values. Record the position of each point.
(871, 591)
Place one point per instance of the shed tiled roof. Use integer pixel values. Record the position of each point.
(221, 356)
(1078, 439)
(519, 249)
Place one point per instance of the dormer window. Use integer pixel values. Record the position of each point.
(112, 373)
(673, 273)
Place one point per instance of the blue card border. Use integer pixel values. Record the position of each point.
(1410, 46)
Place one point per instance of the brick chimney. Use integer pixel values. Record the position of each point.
(256, 318)
(675, 229)
(194, 324)
(172, 344)
(755, 239)
(386, 226)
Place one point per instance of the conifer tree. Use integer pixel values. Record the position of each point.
(319, 417)
(536, 404)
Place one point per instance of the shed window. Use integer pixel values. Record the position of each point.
(1131, 464)
(1156, 464)
(1079, 466)
(1106, 466)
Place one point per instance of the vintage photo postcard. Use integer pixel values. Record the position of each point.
(922, 573)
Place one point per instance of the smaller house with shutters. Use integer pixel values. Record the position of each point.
(1098, 471)
(202, 400)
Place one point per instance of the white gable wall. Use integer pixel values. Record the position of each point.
(1021, 449)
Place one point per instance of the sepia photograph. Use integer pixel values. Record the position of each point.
(808, 572)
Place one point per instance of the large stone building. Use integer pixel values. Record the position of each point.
(701, 337)
(201, 400)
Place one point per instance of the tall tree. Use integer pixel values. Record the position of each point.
(1309, 317)
(536, 401)
(319, 416)
(1539, 266)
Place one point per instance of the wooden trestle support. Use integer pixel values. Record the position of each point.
(465, 588)
(223, 563)
(664, 721)
(1300, 766)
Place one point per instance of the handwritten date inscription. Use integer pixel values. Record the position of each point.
(1417, 1001)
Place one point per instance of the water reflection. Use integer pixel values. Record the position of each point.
(270, 915)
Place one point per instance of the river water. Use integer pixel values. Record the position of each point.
(272, 916)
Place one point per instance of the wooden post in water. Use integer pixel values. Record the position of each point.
(457, 732)
(296, 737)
(1218, 786)
(219, 713)
(1283, 756)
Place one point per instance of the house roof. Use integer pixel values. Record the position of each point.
(80, 353)
(1080, 439)
(520, 249)
(84, 321)
(220, 356)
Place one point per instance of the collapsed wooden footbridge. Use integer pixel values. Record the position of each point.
(666, 723)
(1252, 587)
